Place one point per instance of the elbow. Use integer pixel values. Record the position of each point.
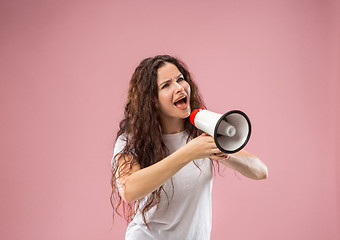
(127, 197)
(262, 174)
(128, 192)
(125, 194)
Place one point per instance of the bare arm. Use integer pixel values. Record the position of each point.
(136, 183)
(247, 164)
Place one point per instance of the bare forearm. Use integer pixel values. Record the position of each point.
(147, 180)
(140, 182)
(247, 164)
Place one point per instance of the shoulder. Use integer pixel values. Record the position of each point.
(119, 147)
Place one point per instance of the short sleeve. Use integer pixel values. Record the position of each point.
(119, 146)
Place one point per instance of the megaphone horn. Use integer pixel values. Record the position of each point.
(231, 131)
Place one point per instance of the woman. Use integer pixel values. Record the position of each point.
(162, 164)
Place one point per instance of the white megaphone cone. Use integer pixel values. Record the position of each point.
(231, 131)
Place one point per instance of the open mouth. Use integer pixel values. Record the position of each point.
(181, 103)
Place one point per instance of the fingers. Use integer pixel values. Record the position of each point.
(218, 157)
(208, 146)
(206, 136)
(222, 154)
(216, 151)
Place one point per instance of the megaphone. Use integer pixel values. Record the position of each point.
(231, 131)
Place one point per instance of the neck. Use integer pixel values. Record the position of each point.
(171, 126)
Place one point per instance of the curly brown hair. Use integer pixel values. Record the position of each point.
(141, 119)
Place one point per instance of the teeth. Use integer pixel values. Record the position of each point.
(183, 98)
(180, 99)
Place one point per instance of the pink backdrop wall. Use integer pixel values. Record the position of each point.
(65, 67)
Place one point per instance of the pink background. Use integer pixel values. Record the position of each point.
(65, 67)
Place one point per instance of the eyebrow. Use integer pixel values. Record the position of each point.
(167, 81)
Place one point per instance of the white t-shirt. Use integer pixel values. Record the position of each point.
(187, 214)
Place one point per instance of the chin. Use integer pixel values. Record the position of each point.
(187, 113)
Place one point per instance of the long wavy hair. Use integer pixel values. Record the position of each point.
(142, 128)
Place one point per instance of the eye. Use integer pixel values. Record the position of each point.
(165, 85)
(180, 79)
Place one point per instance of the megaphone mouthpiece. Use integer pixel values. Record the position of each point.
(193, 115)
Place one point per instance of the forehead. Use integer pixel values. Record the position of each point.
(167, 72)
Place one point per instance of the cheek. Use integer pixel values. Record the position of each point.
(188, 90)
(164, 98)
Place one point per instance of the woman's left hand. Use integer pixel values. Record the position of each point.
(220, 156)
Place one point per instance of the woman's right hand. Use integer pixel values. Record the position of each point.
(202, 146)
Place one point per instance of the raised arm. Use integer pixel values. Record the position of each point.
(135, 183)
(247, 164)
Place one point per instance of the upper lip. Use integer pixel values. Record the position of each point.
(180, 98)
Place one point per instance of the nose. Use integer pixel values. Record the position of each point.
(179, 87)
